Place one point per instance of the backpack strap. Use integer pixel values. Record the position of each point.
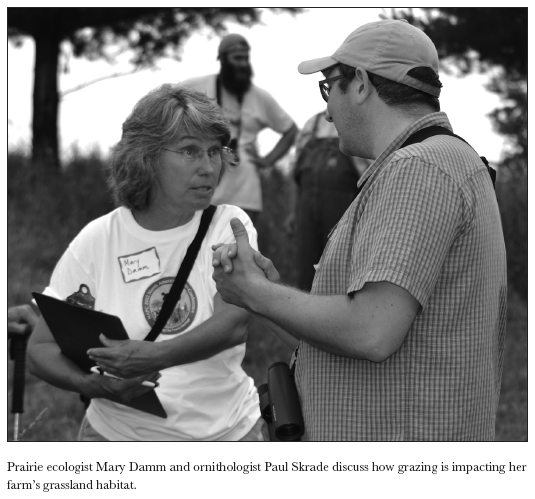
(430, 131)
(178, 285)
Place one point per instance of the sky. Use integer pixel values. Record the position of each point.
(92, 116)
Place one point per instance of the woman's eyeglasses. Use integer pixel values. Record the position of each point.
(325, 88)
(192, 154)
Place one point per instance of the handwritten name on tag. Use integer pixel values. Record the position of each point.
(140, 265)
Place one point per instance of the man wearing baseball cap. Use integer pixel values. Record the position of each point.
(402, 334)
(249, 109)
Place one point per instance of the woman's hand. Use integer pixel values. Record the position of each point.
(225, 253)
(46, 361)
(128, 358)
(115, 389)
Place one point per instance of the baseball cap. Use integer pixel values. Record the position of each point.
(387, 48)
(232, 42)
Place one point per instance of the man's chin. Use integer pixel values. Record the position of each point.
(343, 148)
(241, 86)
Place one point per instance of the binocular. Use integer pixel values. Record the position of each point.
(279, 405)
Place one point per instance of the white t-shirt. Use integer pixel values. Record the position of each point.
(259, 110)
(125, 270)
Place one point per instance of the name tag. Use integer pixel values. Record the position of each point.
(140, 265)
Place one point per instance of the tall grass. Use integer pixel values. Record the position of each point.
(46, 210)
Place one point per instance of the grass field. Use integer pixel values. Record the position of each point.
(45, 212)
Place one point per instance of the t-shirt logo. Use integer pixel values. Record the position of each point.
(185, 309)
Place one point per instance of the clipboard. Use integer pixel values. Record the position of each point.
(77, 329)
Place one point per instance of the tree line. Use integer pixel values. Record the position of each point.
(490, 40)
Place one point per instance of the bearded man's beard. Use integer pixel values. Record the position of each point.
(236, 80)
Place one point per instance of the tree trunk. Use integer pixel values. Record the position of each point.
(45, 151)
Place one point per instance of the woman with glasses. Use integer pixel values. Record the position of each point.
(164, 170)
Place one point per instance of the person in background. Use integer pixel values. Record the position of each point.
(326, 183)
(402, 335)
(163, 174)
(250, 109)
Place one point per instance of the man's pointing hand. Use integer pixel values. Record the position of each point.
(236, 269)
(225, 253)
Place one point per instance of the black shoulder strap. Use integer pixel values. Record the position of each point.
(178, 285)
(430, 131)
(425, 133)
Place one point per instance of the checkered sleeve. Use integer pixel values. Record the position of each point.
(411, 219)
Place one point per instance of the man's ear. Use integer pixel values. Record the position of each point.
(364, 86)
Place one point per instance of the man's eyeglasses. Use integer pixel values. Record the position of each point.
(192, 154)
(325, 88)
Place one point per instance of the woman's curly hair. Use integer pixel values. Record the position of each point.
(161, 116)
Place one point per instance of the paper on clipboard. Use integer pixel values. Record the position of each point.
(77, 329)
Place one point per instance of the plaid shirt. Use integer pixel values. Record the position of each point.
(426, 220)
